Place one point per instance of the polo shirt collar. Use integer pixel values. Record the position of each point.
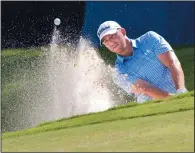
(134, 45)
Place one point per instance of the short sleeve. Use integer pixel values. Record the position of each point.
(160, 45)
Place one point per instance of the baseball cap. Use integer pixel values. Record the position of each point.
(107, 27)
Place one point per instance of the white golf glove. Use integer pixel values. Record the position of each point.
(180, 91)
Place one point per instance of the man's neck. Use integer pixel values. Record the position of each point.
(129, 49)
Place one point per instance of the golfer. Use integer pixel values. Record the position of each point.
(146, 67)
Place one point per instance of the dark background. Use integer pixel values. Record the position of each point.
(30, 23)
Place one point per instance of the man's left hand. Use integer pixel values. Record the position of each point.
(180, 91)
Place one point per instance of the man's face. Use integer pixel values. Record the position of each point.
(116, 42)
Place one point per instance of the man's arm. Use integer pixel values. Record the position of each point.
(142, 86)
(166, 55)
(170, 60)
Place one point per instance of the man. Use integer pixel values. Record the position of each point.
(146, 67)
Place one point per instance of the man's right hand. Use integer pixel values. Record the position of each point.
(143, 87)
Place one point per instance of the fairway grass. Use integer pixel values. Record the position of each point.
(167, 132)
(164, 125)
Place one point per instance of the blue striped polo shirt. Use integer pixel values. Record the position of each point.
(144, 64)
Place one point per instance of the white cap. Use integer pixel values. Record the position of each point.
(108, 27)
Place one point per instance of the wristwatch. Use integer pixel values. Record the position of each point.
(180, 91)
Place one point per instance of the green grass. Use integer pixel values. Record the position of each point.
(154, 125)
(30, 52)
(169, 132)
(186, 57)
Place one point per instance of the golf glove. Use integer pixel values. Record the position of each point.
(180, 91)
